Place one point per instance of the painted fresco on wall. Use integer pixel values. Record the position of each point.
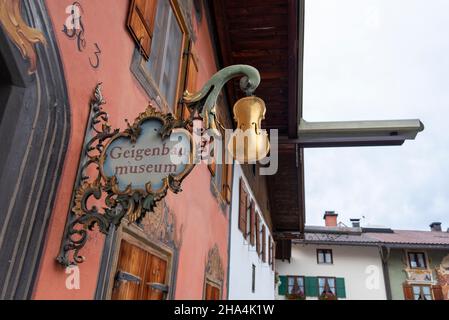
(214, 265)
(23, 36)
(442, 272)
(419, 275)
(214, 272)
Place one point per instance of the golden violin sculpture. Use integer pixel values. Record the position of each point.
(249, 142)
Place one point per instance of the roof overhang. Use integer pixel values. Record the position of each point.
(269, 35)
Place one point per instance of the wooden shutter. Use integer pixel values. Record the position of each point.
(270, 261)
(340, 287)
(252, 223)
(408, 292)
(258, 234)
(132, 262)
(273, 255)
(311, 286)
(437, 291)
(242, 208)
(209, 292)
(264, 244)
(226, 188)
(212, 292)
(216, 293)
(283, 286)
(213, 165)
(156, 274)
(191, 79)
(143, 269)
(141, 24)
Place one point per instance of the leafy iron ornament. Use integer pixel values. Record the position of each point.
(95, 184)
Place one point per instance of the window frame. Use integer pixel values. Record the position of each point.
(326, 280)
(324, 251)
(146, 80)
(303, 284)
(415, 254)
(421, 286)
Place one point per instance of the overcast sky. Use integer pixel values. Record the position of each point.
(376, 60)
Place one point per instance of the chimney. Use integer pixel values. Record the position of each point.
(355, 223)
(330, 218)
(435, 226)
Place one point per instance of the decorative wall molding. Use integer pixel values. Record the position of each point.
(160, 226)
(35, 130)
(418, 275)
(19, 32)
(214, 266)
(187, 7)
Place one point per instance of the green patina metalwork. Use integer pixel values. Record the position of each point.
(131, 204)
(205, 100)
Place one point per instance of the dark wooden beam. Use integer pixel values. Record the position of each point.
(301, 194)
(293, 48)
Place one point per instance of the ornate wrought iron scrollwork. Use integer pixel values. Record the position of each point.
(83, 217)
(91, 190)
(132, 203)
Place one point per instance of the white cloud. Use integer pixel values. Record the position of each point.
(379, 59)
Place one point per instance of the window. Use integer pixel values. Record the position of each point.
(417, 260)
(295, 285)
(313, 286)
(160, 74)
(324, 256)
(326, 286)
(422, 293)
(253, 285)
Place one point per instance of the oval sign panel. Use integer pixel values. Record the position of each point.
(149, 157)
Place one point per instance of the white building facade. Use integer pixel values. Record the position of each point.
(345, 272)
(251, 257)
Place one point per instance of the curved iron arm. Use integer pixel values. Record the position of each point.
(205, 100)
(83, 217)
